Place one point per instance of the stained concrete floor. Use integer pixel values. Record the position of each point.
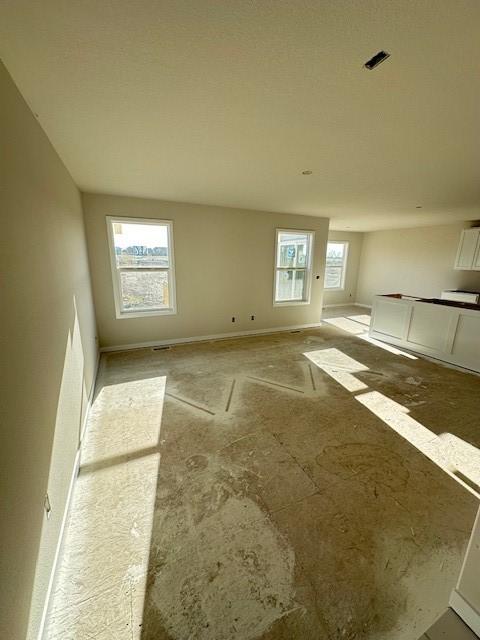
(268, 488)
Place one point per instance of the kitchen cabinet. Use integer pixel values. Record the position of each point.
(468, 254)
(448, 333)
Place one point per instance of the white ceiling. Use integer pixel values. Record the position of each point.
(227, 102)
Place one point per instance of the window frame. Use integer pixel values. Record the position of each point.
(120, 313)
(344, 266)
(307, 269)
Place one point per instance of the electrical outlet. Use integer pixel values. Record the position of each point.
(252, 317)
(233, 318)
(47, 506)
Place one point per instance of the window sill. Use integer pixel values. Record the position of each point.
(124, 315)
(334, 289)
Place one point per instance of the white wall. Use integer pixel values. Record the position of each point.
(466, 600)
(413, 261)
(224, 267)
(48, 355)
(349, 293)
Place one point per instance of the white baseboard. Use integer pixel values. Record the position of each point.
(216, 336)
(347, 304)
(66, 511)
(464, 609)
(340, 304)
(48, 595)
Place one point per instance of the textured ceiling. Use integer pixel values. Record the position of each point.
(227, 102)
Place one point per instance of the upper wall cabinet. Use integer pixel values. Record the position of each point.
(468, 254)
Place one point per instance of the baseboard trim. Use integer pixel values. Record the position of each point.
(464, 609)
(347, 304)
(48, 595)
(216, 336)
(68, 503)
(340, 304)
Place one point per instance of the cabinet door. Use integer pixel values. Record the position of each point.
(476, 260)
(466, 345)
(429, 326)
(467, 250)
(390, 318)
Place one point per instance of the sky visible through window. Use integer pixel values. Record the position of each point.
(147, 235)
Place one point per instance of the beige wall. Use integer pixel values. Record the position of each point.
(414, 261)
(48, 354)
(348, 294)
(224, 267)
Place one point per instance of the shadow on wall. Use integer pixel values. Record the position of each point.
(70, 418)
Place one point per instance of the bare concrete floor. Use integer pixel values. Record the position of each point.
(269, 488)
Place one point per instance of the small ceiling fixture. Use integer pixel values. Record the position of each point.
(307, 172)
(377, 59)
(419, 206)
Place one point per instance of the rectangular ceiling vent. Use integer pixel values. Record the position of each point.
(377, 59)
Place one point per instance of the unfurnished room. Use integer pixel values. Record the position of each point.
(240, 320)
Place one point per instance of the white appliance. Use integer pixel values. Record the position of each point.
(461, 296)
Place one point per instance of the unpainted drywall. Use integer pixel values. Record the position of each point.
(224, 262)
(413, 261)
(348, 294)
(48, 355)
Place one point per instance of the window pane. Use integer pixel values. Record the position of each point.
(292, 250)
(290, 285)
(141, 245)
(335, 254)
(144, 290)
(333, 277)
(335, 265)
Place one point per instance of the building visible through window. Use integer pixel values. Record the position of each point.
(335, 266)
(142, 266)
(293, 266)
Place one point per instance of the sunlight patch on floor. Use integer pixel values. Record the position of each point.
(449, 452)
(339, 366)
(358, 326)
(458, 458)
(101, 580)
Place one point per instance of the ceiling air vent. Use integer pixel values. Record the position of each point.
(376, 60)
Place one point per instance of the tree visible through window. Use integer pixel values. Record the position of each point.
(335, 266)
(142, 266)
(292, 266)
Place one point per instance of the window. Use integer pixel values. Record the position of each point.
(293, 258)
(336, 265)
(141, 253)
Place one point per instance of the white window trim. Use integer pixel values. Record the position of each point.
(345, 265)
(119, 312)
(308, 269)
